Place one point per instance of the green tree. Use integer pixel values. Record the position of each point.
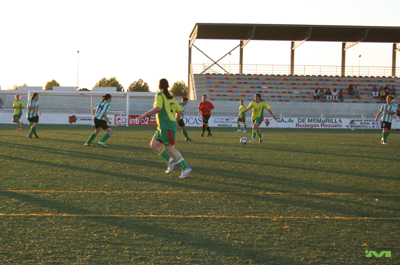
(14, 87)
(139, 86)
(50, 84)
(179, 89)
(112, 82)
(83, 89)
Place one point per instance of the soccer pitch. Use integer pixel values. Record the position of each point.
(303, 196)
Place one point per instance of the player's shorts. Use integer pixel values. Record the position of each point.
(101, 124)
(167, 137)
(241, 119)
(387, 125)
(205, 118)
(181, 123)
(258, 121)
(17, 116)
(33, 119)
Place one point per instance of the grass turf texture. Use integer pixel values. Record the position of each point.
(301, 197)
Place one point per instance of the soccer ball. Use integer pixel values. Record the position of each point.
(243, 140)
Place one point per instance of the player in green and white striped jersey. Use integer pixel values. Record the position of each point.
(101, 120)
(33, 114)
(181, 123)
(388, 110)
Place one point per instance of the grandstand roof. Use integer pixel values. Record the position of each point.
(281, 32)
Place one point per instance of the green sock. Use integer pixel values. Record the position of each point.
(245, 127)
(164, 154)
(34, 131)
(185, 133)
(181, 162)
(31, 131)
(105, 137)
(259, 135)
(19, 125)
(91, 138)
(384, 136)
(238, 127)
(254, 134)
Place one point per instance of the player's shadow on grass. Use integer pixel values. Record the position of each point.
(234, 159)
(88, 155)
(273, 147)
(178, 235)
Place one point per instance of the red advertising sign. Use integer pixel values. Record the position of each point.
(134, 120)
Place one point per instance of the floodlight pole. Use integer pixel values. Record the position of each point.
(77, 72)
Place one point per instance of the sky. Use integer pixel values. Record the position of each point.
(148, 40)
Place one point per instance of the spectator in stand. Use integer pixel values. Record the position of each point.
(328, 94)
(1, 104)
(341, 95)
(382, 93)
(393, 92)
(334, 94)
(387, 90)
(322, 94)
(375, 91)
(351, 90)
(316, 94)
(356, 92)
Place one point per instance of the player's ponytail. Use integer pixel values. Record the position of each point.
(34, 95)
(105, 97)
(164, 85)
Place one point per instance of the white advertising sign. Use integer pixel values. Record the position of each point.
(195, 121)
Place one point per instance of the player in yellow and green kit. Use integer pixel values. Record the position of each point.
(165, 108)
(242, 118)
(18, 105)
(258, 115)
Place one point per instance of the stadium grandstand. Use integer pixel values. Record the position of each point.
(291, 84)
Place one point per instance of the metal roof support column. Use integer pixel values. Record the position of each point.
(241, 57)
(292, 58)
(350, 43)
(190, 85)
(192, 38)
(243, 42)
(296, 43)
(394, 58)
(343, 72)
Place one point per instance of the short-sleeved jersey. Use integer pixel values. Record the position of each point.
(166, 119)
(18, 103)
(101, 108)
(30, 113)
(241, 109)
(258, 109)
(205, 107)
(387, 117)
(183, 109)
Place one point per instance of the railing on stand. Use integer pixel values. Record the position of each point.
(298, 69)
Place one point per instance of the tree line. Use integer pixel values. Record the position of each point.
(179, 88)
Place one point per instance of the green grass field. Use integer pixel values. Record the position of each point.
(301, 197)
